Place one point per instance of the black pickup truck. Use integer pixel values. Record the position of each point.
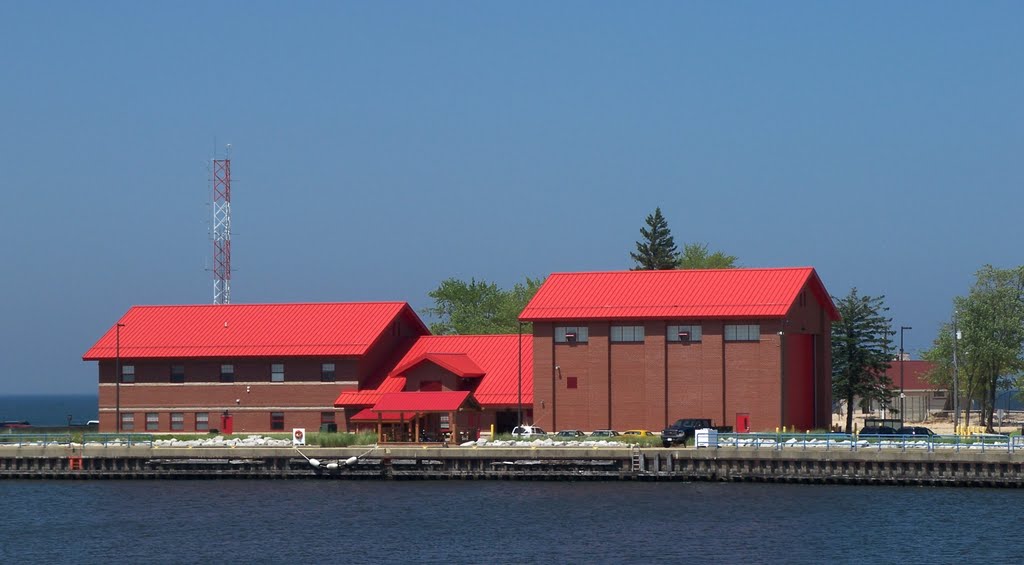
(681, 430)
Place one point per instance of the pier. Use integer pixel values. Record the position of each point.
(884, 467)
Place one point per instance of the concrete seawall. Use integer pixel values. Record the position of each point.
(992, 468)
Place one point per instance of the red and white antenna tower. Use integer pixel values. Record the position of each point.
(222, 230)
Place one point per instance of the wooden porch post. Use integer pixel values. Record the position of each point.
(380, 427)
(416, 438)
(455, 427)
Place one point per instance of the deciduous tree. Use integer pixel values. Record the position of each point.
(478, 307)
(697, 256)
(860, 351)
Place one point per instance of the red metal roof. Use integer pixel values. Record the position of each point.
(497, 356)
(914, 372)
(368, 415)
(725, 293)
(251, 330)
(369, 397)
(457, 363)
(447, 401)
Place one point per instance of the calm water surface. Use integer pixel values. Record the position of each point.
(503, 522)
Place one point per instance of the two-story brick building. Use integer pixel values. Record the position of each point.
(639, 349)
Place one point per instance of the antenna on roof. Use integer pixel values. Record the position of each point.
(222, 229)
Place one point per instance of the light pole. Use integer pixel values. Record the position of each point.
(902, 395)
(519, 420)
(117, 376)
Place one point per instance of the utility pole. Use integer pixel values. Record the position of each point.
(956, 377)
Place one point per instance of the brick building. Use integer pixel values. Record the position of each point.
(271, 367)
(639, 349)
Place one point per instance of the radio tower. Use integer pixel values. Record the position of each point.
(222, 230)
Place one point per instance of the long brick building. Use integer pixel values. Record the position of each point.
(273, 367)
(639, 349)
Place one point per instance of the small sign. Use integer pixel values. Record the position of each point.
(298, 436)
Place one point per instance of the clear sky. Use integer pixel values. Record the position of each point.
(378, 148)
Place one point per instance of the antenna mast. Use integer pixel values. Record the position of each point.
(222, 230)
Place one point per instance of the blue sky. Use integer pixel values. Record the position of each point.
(378, 148)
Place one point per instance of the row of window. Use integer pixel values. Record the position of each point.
(673, 333)
(201, 421)
(227, 373)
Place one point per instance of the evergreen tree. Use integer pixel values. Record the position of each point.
(657, 249)
(860, 351)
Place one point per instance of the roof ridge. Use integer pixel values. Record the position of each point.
(270, 304)
(733, 270)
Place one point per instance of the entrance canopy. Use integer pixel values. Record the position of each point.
(424, 402)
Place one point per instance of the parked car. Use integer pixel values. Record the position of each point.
(639, 433)
(569, 434)
(603, 434)
(877, 431)
(528, 432)
(915, 431)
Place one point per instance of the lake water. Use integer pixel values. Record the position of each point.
(503, 522)
(49, 409)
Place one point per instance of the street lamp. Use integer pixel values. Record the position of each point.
(519, 420)
(902, 396)
(117, 376)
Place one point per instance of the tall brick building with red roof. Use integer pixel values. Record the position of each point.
(640, 349)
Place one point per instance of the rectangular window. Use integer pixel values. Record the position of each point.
(152, 421)
(177, 373)
(624, 334)
(277, 372)
(683, 334)
(571, 334)
(177, 421)
(127, 373)
(327, 372)
(202, 421)
(127, 422)
(742, 332)
(277, 420)
(571, 382)
(326, 418)
(227, 373)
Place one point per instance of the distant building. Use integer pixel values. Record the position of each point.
(749, 348)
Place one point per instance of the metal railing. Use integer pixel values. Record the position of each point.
(848, 442)
(20, 439)
(118, 440)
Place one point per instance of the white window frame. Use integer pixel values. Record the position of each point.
(742, 332)
(673, 330)
(626, 334)
(127, 421)
(177, 421)
(155, 421)
(581, 334)
(202, 421)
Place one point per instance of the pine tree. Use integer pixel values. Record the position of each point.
(657, 249)
(860, 351)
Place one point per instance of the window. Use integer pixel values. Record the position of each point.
(571, 382)
(202, 421)
(227, 373)
(683, 334)
(571, 334)
(622, 334)
(326, 418)
(739, 332)
(177, 421)
(277, 372)
(127, 373)
(127, 422)
(327, 372)
(277, 420)
(152, 421)
(177, 373)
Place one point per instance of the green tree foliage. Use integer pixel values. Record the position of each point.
(479, 307)
(989, 351)
(657, 249)
(860, 351)
(697, 256)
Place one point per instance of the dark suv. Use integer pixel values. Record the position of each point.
(681, 430)
(914, 431)
(877, 431)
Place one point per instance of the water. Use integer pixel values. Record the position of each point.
(49, 410)
(503, 522)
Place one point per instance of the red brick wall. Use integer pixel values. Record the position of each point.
(695, 376)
